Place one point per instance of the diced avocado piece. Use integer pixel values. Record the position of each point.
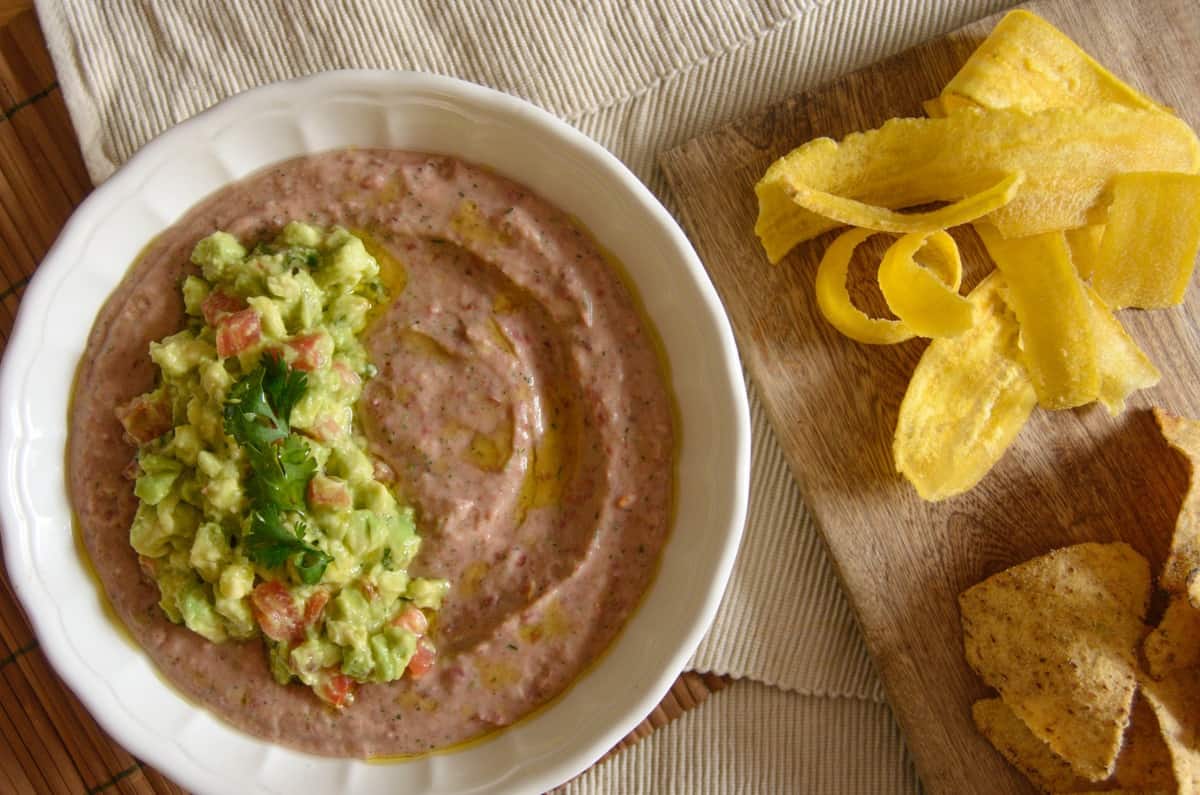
(195, 604)
(269, 315)
(195, 290)
(239, 618)
(236, 581)
(210, 550)
(298, 233)
(159, 473)
(278, 653)
(313, 656)
(357, 661)
(184, 445)
(427, 593)
(347, 618)
(180, 352)
(217, 252)
(391, 649)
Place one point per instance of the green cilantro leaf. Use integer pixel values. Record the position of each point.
(272, 543)
(259, 405)
(281, 474)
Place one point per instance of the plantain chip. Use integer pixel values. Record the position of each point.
(1057, 637)
(833, 297)
(1067, 156)
(1028, 64)
(1184, 558)
(968, 398)
(1150, 241)
(1084, 242)
(925, 297)
(1124, 367)
(1058, 346)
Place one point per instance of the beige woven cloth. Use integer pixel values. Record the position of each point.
(639, 77)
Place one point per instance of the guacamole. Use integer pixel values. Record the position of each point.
(260, 512)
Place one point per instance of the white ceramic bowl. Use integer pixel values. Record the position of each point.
(393, 109)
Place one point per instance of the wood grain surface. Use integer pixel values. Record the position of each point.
(1070, 476)
(49, 744)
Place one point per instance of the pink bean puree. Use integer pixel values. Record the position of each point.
(519, 402)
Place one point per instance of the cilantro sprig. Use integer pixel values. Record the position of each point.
(257, 414)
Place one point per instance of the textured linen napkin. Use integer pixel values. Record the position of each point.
(808, 713)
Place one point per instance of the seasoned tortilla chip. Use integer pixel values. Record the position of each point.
(967, 399)
(1176, 702)
(1057, 637)
(1175, 642)
(1029, 64)
(1067, 157)
(1058, 344)
(923, 290)
(1151, 236)
(1184, 558)
(1016, 743)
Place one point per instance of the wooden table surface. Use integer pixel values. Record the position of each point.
(48, 741)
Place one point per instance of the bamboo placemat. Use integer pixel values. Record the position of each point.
(48, 741)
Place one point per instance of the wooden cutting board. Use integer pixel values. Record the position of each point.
(1070, 476)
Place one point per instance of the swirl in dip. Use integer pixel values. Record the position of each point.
(519, 402)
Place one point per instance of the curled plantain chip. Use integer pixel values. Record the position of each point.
(1058, 346)
(1151, 236)
(1067, 156)
(1124, 367)
(1029, 64)
(968, 398)
(833, 298)
(925, 297)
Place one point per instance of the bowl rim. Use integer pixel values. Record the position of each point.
(36, 303)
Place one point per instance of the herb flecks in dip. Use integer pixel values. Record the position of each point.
(260, 513)
(518, 404)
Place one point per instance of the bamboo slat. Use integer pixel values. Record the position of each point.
(48, 741)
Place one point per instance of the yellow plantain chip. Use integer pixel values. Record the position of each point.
(925, 296)
(1058, 345)
(1176, 702)
(1029, 64)
(1067, 157)
(881, 219)
(1150, 241)
(1175, 642)
(1016, 743)
(1124, 367)
(1057, 637)
(1084, 242)
(833, 297)
(968, 398)
(1184, 557)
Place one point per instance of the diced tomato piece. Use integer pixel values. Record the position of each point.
(238, 331)
(328, 493)
(422, 660)
(218, 305)
(336, 688)
(311, 351)
(412, 619)
(350, 379)
(325, 429)
(276, 612)
(383, 472)
(315, 606)
(146, 417)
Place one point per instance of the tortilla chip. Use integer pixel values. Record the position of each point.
(1016, 743)
(1175, 642)
(1057, 636)
(1176, 702)
(1184, 435)
(1144, 764)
